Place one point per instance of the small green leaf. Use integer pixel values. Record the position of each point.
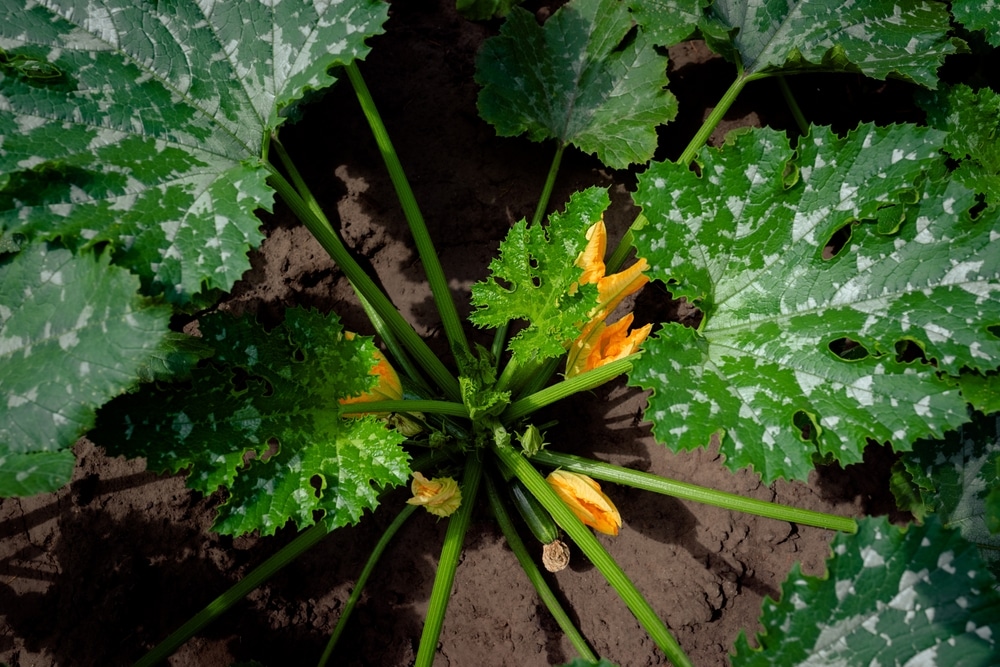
(578, 79)
(979, 15)
(73, 334)
(534, 277)
(262, 420)
(954, 477)
(879, 38)
(972, 121)
(769, 365)
(918, 595)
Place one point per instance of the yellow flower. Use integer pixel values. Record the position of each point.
(584, 497)
(597, 343)
(601, 344)
(439, 496)
(387, 388)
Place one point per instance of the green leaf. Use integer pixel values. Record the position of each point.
(746, 240)
(668, 22)
(879, 38)
(917, 595)
(73, 334)
(150, 132)
(954, 477)
(579, 79)
(981, 391)
(535, 279)
(979, 15)
(271, 398)
(972, 121)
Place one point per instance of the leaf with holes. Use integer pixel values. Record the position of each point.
(914, 595)
(265, 392)
(797, 353)
(879, 38)
(580, 79)
(138, 129)
(535, 279)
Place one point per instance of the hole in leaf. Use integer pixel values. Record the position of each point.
(272, 449)
(909, 350)
(837, 241)
(978, 207)
(809, 430)
(316, 482)
(848, 349)
(298, 354)
(994, 330)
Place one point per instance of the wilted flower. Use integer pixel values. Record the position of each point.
(584, 497)
(598, 343)
(439, 496)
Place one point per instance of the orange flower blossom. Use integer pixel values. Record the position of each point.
(586, 500)
(387, 388)
(439, 496)
(599, 343)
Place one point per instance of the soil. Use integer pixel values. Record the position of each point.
(99, 572)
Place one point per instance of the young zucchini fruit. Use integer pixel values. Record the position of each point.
(555, 553)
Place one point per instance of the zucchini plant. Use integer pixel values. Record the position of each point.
(849, 287)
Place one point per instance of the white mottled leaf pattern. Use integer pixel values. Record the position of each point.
(85, 314)
(575, 80)
(913, 595)
(877, 37)
(745, 241)
(151, 134)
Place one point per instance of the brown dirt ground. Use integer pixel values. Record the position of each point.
(99, 572)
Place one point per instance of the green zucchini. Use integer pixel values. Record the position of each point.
(538, 519)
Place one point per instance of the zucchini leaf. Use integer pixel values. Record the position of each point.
(262, 420)
(535, 279)
(87, 315)
(878, 38)
(582, 78)
(972, 121)
(979, 15)
(138, 130)
(916, 595)
(798, 354)
(956, 478)
(668, 22)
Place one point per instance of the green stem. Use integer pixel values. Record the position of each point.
(359, 585)
(793, 105)
(320, 227)
(400, 359)
(714, 117)
(591, 548)
(701, 494)
(422, 239)
(550, 182)
(217, 607)
(406, 405)
(535, 575)
(560, 390)
(454, 536)
(620, 254)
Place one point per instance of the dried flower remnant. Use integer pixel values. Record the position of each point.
(584, 497)
(598, 343)
(440, 496)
